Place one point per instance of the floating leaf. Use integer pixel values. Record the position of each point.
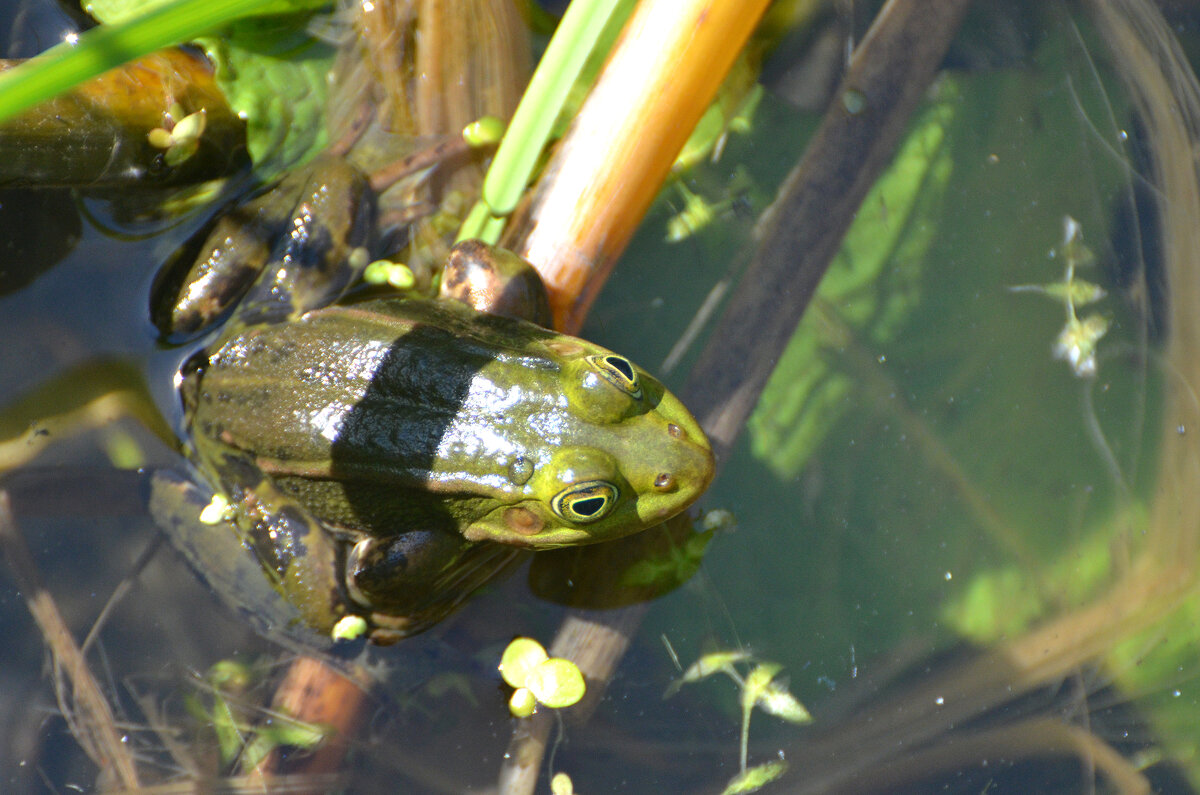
(557, 683)
(395, 274)
(561, 784)
(348, 628)
(523, 703)
(521, 657)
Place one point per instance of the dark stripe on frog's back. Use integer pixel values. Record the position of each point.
(398, 370)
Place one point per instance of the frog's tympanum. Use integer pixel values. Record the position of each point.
(383, 458)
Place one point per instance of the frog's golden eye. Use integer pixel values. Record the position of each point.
(585, 502)
(619, 372)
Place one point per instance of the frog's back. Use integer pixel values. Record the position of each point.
(290, 392)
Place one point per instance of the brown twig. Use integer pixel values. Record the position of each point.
(803, 229)
(315, 692)
(96, 728)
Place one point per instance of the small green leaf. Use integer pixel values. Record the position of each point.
(714, 662)
(523, 703)
(348, 628)
(777, 700)
(1076, 344)
(395, 274)
(225, 725)
(1077, 291)
(755, 778)
(1073, 248)
(521, 657)
(216, 511)
(483, 132)
(556, 682)
(256, 750)
(230, 676)
(561, 784)
(697, 213)
(756, 683)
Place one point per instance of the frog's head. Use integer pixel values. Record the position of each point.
(617, 454)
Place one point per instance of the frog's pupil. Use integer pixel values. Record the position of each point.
(620, 365)
(589, 506)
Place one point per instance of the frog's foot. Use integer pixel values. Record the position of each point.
(298, 245)
(412, 580)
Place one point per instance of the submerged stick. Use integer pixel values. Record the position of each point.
(95, 728)
(800, 233)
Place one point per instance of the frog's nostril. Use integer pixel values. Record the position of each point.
(674, 431)
(664, 482)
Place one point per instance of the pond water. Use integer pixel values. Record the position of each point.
(974, 562)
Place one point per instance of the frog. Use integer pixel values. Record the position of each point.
(382, 458)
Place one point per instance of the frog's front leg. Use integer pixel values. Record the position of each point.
(412, 580)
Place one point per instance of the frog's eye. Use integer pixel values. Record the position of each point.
(619, 372)
(585, 502)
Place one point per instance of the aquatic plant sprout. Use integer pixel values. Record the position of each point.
(1076, 343)
(759, 688)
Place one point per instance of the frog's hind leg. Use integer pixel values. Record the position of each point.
(232, 569)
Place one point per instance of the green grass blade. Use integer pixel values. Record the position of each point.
(556, 73)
